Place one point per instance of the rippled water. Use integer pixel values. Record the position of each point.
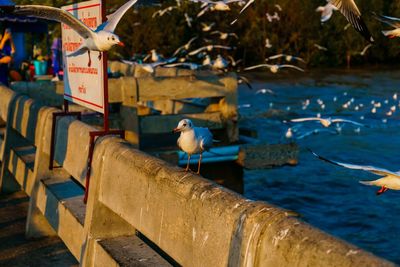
(330, 197)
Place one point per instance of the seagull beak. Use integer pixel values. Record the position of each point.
(121, 44)
(176, 130)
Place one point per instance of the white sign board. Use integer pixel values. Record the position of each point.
(83, 84)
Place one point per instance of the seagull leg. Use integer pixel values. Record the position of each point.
(187, 165)
(99, 57)
(90, 61)
(198, 167)
(382, 190)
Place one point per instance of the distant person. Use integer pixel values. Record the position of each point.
(56, 57)
(7, 50)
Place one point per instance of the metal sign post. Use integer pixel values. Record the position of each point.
(106, 128)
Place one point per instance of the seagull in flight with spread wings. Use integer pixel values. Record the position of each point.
(350, 10)
(391, 21)
(327, 122)
(390, 180)
(101, 39)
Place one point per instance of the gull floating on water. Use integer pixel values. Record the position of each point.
(193, 140)
(350, 10)
(101, 39)
(327, 122)
(390, 180)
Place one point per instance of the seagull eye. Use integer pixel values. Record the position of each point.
(184, 125)
(108, 38)
(113, 38)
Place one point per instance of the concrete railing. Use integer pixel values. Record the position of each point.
(140, 207)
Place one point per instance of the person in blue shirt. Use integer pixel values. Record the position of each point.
(7, 49)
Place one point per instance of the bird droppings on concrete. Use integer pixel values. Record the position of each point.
(352, 252)
(280, 236)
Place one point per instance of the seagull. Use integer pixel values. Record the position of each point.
(320, 47)
(242, 10)
(391, 21)
(162, 12)
(192, 66)
(390, 180)
(149, 67)
(209, 48)
(224, 35)
(185, 46)
(188, 20)
(289, 133)
(350, 10)
(101, 39)
(265, 91)
(273, 68)
(327, 122)
(267, 43)
(219, 63)
(193, 140)
(288, 58)
(207, 27)
(326, 11)
(219, 5)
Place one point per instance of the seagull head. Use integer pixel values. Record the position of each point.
(111, 39)
(184, 125)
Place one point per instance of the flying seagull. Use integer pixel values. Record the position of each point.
(101, 39)
(391, 21)
(326, 11)
(390, 180)
(193, 140)
(350, 10)
(327, 122)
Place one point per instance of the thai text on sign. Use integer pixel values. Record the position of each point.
(83, 84)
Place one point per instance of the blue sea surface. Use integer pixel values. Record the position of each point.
(327, 196)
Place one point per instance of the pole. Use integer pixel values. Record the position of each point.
(105, 73)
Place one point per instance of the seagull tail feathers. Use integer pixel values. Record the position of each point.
(367, 182)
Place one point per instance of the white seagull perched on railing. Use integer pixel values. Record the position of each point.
(328, 121)
(193, 140)
(101, 39)
(390, 180)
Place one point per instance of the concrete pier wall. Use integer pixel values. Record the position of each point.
(143, 211)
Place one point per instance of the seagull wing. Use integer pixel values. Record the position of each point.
(205, 136)
(194, 52)
(348, 121)
(305, 119)
(391, 21)
(372, 169)
(291, 66)
(257, 66)
(114, 18)
(246, 6)
(350, 10)
(56, 14)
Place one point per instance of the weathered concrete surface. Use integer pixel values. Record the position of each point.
(201, 224)
(15, 249)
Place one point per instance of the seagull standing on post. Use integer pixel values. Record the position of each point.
(193, 140)
(101, 39)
